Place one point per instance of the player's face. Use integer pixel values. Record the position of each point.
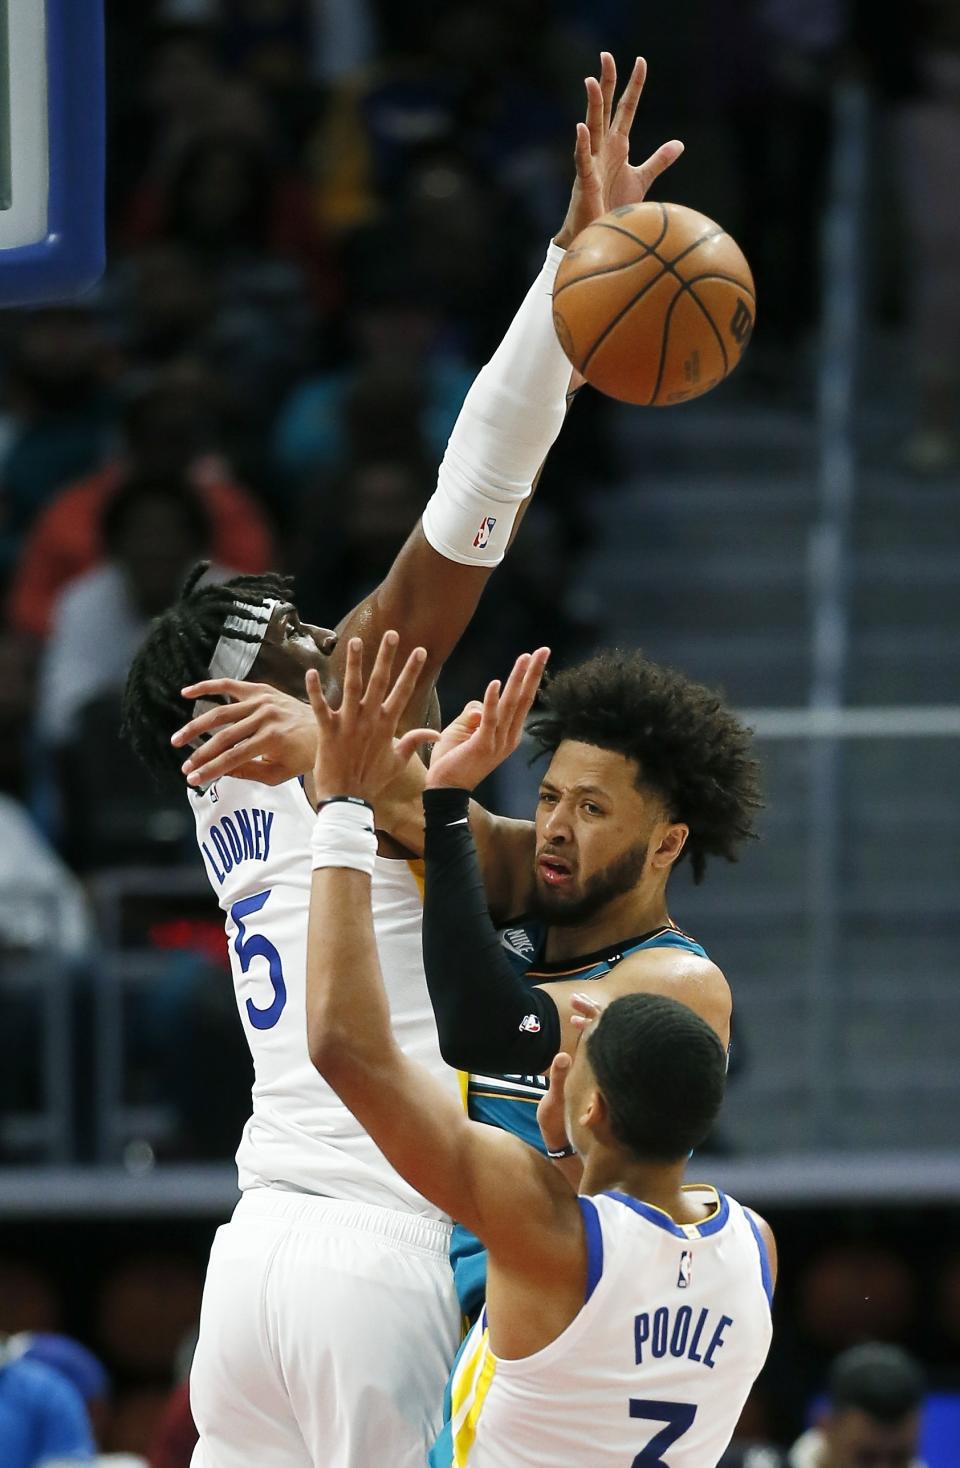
(290, 647)
(594, 830)
(856, 1440)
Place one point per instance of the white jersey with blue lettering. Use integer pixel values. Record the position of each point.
(255, 843)
(656, 1367)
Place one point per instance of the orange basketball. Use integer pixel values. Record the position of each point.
(654, 304)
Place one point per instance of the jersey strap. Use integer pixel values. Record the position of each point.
(710, 1225)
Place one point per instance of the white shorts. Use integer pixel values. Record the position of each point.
(327, 1333)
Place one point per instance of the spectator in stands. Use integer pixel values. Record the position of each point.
(176, 1435)
(86, 1372)
(59, 415)
(872, 1416)
(169, 428)
(396, 342)
(153, 530)
(753, 1455)
(43, 1420)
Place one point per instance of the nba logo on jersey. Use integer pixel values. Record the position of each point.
(213, 794)
(482, 537)
(530, 1024)
(685, 1270)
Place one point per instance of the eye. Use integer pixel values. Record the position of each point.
(547, 797)
(592, 809)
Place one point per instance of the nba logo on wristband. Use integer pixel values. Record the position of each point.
(482, 537)
(530, 1024)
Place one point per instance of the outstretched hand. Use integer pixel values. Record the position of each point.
(485, 733)
(260, 734)
(606, 179)
(357, 749)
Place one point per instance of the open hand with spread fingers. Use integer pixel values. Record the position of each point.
(605, 176)
(260, 734)
(482, 737)
(358, 752)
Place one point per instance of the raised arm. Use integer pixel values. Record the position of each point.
(512, 413)
(490, 1181)
(508, 422)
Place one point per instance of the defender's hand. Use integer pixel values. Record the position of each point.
(550, 1109)
(485, 733)
(357, 752)
(262, 734)
(605, 176)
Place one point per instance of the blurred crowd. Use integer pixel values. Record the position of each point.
(322, 214)
(838, 1392)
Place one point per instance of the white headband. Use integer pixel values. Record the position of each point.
(233, 657)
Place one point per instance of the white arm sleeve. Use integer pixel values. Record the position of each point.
(509, 419)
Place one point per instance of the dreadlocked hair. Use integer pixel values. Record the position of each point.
(177, 651)
(687, 746)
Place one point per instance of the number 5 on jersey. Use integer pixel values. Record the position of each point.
(257, 946)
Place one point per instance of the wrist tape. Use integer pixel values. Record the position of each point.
(343, 836)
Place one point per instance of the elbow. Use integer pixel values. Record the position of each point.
(327, 1047)
(456, 1051)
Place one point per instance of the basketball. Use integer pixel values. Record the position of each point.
(654, 304)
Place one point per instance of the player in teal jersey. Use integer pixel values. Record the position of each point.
(646, 768)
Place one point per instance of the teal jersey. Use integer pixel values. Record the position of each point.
(510, 1101)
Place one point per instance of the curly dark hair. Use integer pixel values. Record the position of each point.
(177, 651)
(687, 745)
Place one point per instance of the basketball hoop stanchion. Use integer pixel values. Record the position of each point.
(52, 149)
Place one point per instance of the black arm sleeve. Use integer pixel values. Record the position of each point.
(488, 1016)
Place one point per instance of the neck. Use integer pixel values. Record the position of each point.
(660, 1184)
(623, 917)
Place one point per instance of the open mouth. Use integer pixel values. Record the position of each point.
(554, 871)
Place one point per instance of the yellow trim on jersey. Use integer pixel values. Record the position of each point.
(687, 1188)
(418, 872)
(507, 1096)
(463, 1080)
(470, 1388)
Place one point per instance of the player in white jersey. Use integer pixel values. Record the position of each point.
(623, 1324)
(329, 1318)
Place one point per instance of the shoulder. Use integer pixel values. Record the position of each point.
(677, 973)
(766, 1234)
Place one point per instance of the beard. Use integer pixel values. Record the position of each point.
(611, 881)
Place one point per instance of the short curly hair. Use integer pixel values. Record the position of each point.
(687, 745)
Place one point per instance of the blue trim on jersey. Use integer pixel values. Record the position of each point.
(594, 1235)
(672, 938)
(766, 1273)
(664, 1221)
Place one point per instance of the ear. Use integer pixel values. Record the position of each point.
(666, 844)
(594, 1115)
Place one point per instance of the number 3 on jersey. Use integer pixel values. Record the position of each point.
(678, 1417)
(257, 946)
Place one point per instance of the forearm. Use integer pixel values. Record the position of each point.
(347, 1009)
(509, 420)
(488, 1016)
(346, 1002)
